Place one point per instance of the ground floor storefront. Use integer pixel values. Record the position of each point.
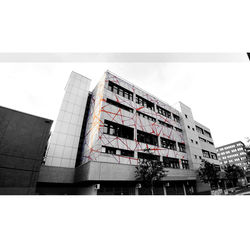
(119, 188)
(102, 178)
(160, 188)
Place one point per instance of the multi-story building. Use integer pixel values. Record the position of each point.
(233, 153)
(100, 137)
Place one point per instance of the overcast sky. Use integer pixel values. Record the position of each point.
(218, 93)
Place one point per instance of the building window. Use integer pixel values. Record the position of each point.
(163, 112)
(115, 151)
(186, 116)
(171, 162)
(205, 154)
(127, 153)
(213, 156)
(165, 143)
(119, 105)
(147, 138)
(199, 130)
(115, 88)
(192, 140)
(143, 102)
(110, 150)
(178, 129)
(188, 126)
(182, 147)
(202, 139)
(184, 164)
(176, 118)
(149, 157)
(196, 142)
(210, 142)
(112, 128)
(206, 133)
(193, 129)
(150, 118)
(166, 124)
(200, 157)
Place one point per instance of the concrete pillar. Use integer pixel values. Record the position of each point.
(184, 189)
(164, 190)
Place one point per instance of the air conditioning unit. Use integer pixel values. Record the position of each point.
(97, 186)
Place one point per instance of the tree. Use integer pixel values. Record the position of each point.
(150, 171)
(209, 173)
(233, 173)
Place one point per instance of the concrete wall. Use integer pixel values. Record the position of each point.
(191, 137)
(207, 146)
(23, 140)
(63, 145)
(91, 143)
(50, 174)
(194, 144)
(106, 171)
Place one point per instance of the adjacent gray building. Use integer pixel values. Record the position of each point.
(233, 153)
(23, 141)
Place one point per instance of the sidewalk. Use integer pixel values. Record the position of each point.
(231, 191)
(242, 190)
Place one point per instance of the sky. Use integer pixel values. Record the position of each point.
(218, 93)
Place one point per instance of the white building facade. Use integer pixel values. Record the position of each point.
(103, 134)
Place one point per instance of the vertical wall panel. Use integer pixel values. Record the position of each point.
(65, 137)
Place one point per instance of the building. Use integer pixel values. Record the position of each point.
(248, 163)
(100, 137)
(233, 153)
(247, 148)
(23, 141)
